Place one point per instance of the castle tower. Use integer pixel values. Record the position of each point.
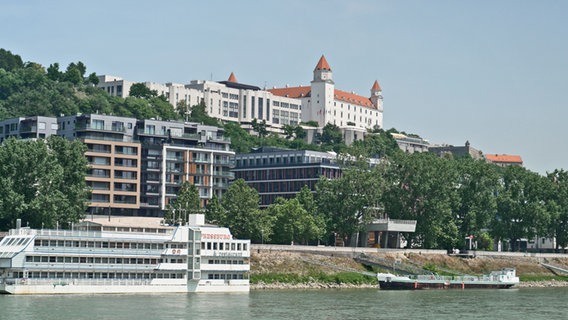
(377, 96)
(322, 93)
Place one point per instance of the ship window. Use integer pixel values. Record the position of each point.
(51, 259)
(37, 242)
(238, 246)
(29, 259)
(214, 245)
(52, 243)
(60, 259)
(232, 246)
(244, 246)
(221, 246)
(208, 245)
(60, 243)
(67, 259)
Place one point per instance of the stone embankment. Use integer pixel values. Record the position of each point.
(303, 260)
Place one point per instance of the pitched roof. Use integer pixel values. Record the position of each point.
(504, 158)
(376, 86)
(292, 92)
(322, 64)
(232, 78)
(305, 91)
(353, 98)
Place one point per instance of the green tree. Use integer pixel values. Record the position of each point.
(243, 216)
(74, 73)
(241, 140)
(423, 188)
(139, 90)
(259, 127)
(199, 115)
(288, 131)
(187, 202)
(93, 79)
(9, 61)
(293, 223)
(352, 201)
(53, 72)
(521, 206)
(41, 186)
(477, 185)
(331, 135)
(214, 212)
(307, 200)
(559, 194)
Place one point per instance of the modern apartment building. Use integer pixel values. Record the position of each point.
(174, 152)
(278, 172)
(114, 158)
(35, 127)
(136, 167)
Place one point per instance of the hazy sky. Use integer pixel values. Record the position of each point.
(491, 72)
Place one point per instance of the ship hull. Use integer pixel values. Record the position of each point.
(418, 285)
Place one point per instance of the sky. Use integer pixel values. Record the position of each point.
(493, 73)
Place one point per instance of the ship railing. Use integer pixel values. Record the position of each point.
(434, 277)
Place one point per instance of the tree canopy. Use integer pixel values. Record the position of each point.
(42, 182)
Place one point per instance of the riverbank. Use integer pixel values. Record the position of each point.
(282, 269)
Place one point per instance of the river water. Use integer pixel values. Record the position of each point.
(523, 303)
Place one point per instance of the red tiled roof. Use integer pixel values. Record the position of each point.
(353, 98)
(322, 64)
(232, 78)
(292, 92)
(304, 91)
(504, 158)
(376, 86)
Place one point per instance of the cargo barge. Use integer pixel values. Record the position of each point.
(503, 279)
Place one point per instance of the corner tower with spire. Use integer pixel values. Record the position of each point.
(322, 93)
(377, 96)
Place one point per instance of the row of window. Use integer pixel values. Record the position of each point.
(95, 260)
(224, 246)
(99, 275)
(223, 276)
(109, 244)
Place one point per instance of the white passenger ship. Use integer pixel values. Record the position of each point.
(124, 255)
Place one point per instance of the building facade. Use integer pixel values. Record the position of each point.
(36, 127)
(137, 167)
(323, 103)
(277, 172)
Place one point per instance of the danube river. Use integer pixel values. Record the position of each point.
(524, 303)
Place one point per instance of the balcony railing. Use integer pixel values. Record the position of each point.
(82, 127)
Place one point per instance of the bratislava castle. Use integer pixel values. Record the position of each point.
(233, 101)
(323, 103)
